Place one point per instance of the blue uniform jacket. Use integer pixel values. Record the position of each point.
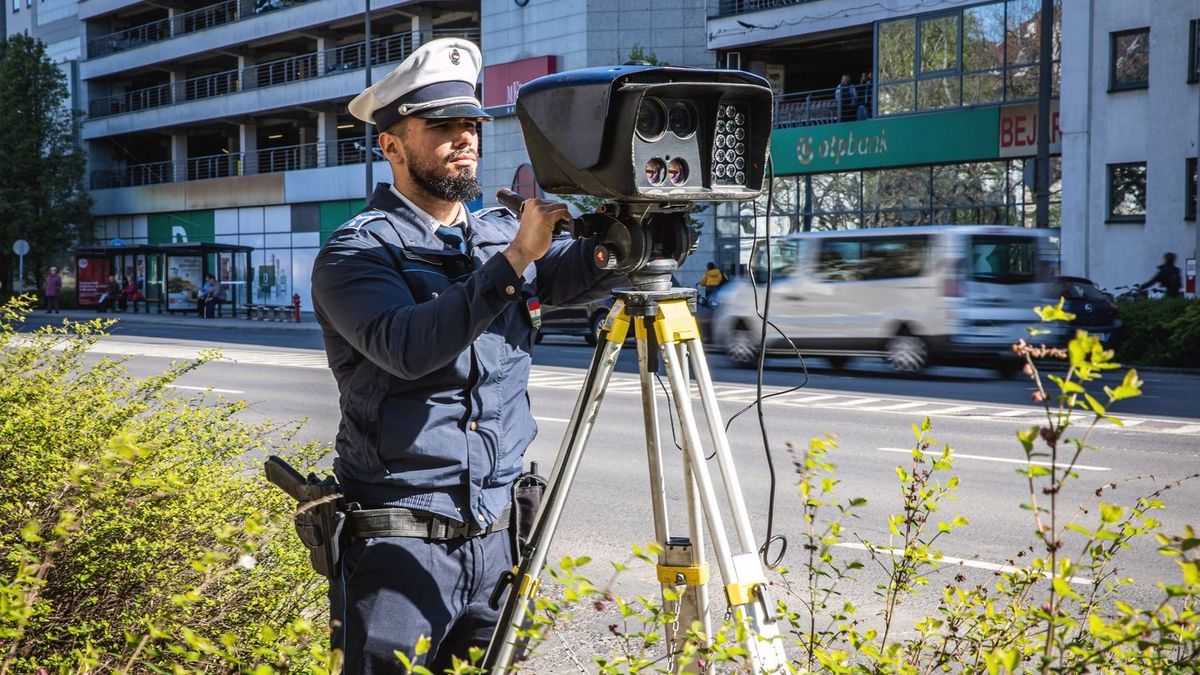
(430, 349)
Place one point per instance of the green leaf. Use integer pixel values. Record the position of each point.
(1111, 513)
(1096, 407)
(1027, 438)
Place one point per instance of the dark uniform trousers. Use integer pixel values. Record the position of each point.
(408, 587)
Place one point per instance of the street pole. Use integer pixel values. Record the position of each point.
(1045, 82)
(367, 149)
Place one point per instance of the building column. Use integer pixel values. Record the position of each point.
(247, 73)
(179, 157)
(422, 28)
(327, 136)
(248, 146)
(178, 88)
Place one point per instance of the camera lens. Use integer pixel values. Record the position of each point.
(740, 149)
(682, 118)
(739, 163)
(656, 171)
(720, 141)
(651, 119)
(740, 178)
(677, 170)
(740, 134)
(719, 170)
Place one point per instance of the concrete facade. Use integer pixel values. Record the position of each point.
(1159, 125)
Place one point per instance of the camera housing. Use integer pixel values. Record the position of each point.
(648, 134)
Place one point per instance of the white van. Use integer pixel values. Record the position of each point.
(958, 294)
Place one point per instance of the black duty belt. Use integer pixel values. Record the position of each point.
(400, 522)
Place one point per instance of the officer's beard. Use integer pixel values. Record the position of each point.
(460, 185)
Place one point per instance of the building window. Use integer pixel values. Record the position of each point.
(1194, 51)
(1130, 64)
(16, 6)
(1189, 199)
(1127, 193)
(988, 53)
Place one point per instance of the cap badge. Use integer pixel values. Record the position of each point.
(455, 57)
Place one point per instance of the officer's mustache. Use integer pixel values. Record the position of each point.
(461, 154)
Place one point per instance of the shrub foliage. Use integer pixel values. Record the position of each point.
(136, 532)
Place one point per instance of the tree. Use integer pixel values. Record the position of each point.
(42, 196)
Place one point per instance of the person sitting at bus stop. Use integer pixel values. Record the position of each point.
(131, 293)
(112, 293)
(209, 296)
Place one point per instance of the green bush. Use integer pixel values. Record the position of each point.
(136, 530)
(1162, 332)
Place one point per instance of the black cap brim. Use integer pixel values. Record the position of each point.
(454, 111)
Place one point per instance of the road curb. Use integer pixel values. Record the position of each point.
(307, 323)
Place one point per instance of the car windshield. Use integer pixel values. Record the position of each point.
(998, 259)
(1074, 289)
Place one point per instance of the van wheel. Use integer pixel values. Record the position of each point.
(742, 349)
(906, 352)
(594, 324)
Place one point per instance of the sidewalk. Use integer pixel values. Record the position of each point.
(181, 320)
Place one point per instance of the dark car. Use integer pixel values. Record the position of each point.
(580, 320)
(1095, 311)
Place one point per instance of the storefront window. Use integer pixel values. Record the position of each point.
(939, 44)
(897, 45)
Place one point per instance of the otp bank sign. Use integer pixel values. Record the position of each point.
(835, 147)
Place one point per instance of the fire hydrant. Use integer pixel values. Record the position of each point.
(296, 307)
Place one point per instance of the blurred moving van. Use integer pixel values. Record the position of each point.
(957, 294)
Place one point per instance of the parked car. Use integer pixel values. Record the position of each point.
(1095, 311)
(580, 320)
(958, 295)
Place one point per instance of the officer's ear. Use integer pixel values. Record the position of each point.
(390, 145)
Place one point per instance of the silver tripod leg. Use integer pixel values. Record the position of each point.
(745, 580)
(502, 648)
(682, 572)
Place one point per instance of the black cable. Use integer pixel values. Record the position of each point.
(770, 539)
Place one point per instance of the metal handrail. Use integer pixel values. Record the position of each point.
(131, 101)
(730, 7)
(820, 106)
(282, 71)
(184, 23)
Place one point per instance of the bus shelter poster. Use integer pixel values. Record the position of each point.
(91, 280)
(183, 281)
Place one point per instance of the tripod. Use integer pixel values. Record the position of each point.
(663, 321)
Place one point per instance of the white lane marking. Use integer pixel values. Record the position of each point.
(857, 402)
(801, 400)
(213, 389)
(900, 406)
(1189, 429)
(952, 410)
(1019, 412)
(958, 455)
(551, 419)
(948, 560)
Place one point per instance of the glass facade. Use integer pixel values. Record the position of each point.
(949, 194)
(982, 54)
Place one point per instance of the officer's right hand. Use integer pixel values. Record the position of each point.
(538, 219)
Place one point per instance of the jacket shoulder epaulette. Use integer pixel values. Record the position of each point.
(356, 223)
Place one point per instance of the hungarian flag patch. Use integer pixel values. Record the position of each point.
(534, 307)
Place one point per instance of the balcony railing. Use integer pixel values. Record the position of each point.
(390, 49)
(730, 7)
(267, 160)
(823, 106)
(204, 18)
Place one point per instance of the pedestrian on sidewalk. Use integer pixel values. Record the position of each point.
(51, 289)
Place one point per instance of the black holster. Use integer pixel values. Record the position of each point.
(527, 497)
(320, 513)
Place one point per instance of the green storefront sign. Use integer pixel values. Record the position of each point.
(934, 138)
(181, 227)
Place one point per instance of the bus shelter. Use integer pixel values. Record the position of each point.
(168, 276)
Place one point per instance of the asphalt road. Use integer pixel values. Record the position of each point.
(870, 410)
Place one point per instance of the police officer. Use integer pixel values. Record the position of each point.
(428, 314)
